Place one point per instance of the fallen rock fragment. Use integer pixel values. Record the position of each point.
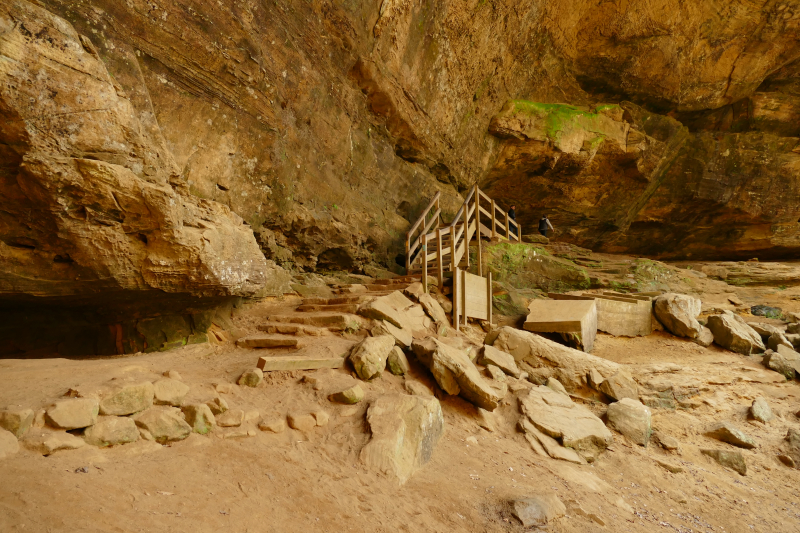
(732, 332)
(350, 396)
(73, 413)
(169, 391)
(369, 356)
(556, 385)
(434, 310)
(165, 424)
(50, 442)
(17, 421)
(402, 338)
(665, 441)
(251, 378)
(778, 339)
(503, 360)
(321, 418)
(8, 444)
(729, 459)
(230, 418)
(301, 421)
(620, 386)
(397, 362)
(632, 419)
(705, 338)
(199, 417)
(761, 411)
(128, 400)
(792, 446)
(727, 432)
(274, 423)
(571, 424)
(405, 430)
(538, 510)
(111, 430)
(670, 467)
(456, 374)
(678, 313)
(217, 405)
(541, 442)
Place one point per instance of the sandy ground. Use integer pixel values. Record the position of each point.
(295, 481)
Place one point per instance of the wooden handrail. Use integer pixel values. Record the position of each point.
(424, 213)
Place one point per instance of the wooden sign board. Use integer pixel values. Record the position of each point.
(472, 297)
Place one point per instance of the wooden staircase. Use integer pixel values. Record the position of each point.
(433, 246)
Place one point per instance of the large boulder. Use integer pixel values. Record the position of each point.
(456, 374)
(128, 400)
(728, 458)
(571, 424)
(571, 367)
(783, 362)
(632, 419)
(73, 413)
(678, 313)
(112, 430)
(17, 421)
(397, 310)
(733, 333)
(761, 411)
(405, 430)
(165, 424)
(369, 356)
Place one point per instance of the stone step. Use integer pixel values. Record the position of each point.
(392, 287)
(290, 362)
(332, 321)
(344, 308)
(293, 329)
(267, 341)
(370, 294)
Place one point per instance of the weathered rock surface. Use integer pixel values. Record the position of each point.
(619, 386)
(369, 356)
(73, 413)
(128, 399)
(8, 444)
(165, 424)
(778, 339)
(17, 421)
(405, 430)
(678, 313)
(792, 446)
(199, 417)
(111, 430)
(230, 418)
(169, 391)
(456, 374)
(106, 209)
(632, 419)
(403, 338)
(573, 425)
(571, 367)
(732, 332)
(538, 510)
(785, 361)
(729, 459)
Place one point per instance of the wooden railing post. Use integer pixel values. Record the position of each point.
(494, 222)
(439, 216)
(440, 265)
(456, 295)
(408, 253)
(508, 229)
(478, 229)
(425, 263)
(466, 232)
(519, 232)
(452, 247)
(489, 296)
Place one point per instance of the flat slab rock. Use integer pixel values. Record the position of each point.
(405, 430)
(571, 424)
(267, 341)
(539, 509)
(564, 316)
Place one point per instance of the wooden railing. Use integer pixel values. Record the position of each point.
(452, 241)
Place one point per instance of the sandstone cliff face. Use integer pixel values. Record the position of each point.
(326, 126)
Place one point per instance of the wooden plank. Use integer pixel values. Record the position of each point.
(485, 212)
(465, 223)
(439, 258)
(453, 258)
(425, 265)
(508, 229)
(475, 297)
(288, 362)
(478, 226)
(559, 296)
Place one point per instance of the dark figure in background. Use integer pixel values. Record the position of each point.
(512, 214)
(544, 225)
